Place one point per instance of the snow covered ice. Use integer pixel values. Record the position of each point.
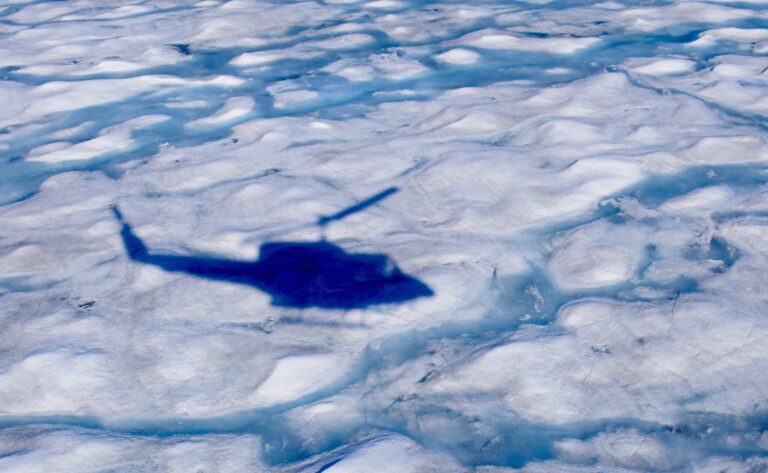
(399, 236)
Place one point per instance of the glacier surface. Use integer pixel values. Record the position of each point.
(351, 236)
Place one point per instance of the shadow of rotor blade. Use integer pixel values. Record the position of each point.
(360, 206)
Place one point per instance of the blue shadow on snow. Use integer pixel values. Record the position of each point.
(296, 274)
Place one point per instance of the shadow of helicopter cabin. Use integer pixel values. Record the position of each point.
(298, 274)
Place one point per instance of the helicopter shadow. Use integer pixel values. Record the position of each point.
(298, 274)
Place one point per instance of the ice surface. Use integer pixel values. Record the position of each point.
(409, 236)
(458, 56)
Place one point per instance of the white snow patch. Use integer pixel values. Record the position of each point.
(458, 56)
(495, 39)
(297, 376)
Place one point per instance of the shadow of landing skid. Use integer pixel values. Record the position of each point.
(296, 274)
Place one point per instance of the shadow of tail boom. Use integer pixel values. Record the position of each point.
(296, 274)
